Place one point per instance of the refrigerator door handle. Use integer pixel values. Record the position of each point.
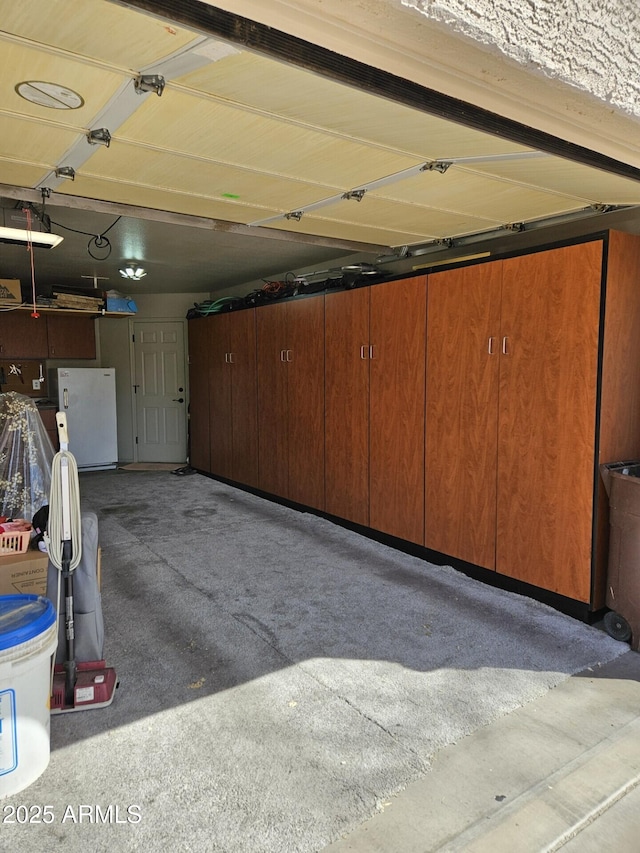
(65, 398)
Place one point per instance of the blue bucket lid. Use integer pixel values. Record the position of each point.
(24, 617)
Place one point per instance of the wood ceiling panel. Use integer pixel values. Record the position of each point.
(106, 32)
(214, 131)
(592, 185)
(425, 221)
(20, 174)
(33, 142)
(157, 199)
(299, 95)
(477, 195)
(321, 227)
(143, 167)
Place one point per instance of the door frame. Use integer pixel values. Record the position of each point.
(132, 373)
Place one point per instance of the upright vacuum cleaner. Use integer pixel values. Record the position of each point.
(76, 684)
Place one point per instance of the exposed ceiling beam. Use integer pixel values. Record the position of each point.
(183, 219)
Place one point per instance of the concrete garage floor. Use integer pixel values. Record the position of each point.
(560, 773)
(287, 685)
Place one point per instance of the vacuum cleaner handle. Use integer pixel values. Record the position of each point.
(63, 435)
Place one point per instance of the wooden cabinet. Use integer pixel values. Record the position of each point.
(547, 418)
(375, 391)
(199, 350)
(48, 336)
(290, 339)
(23, 336)
(532, 372)
(71, 336)
(515, 427)
(463, 346)
(397, 395)
(347, 342)
(233, 415)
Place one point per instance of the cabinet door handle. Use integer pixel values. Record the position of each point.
(363, 351)
(289, 355)
(226, 358)
(505, 350)
(65, 398)
(282, 355)
(491, 342)
(231, 361)
(372, 351)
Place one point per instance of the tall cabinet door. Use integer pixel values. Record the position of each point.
(273, 464)
(305, 394)
(397, 399)
(244, 396)
(220, 435)
(347, 405)
(547, 417)
(463, 352)
(199, 352)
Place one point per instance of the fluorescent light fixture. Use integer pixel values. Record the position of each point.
(22, 238)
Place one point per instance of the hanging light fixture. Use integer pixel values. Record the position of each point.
(132, 271)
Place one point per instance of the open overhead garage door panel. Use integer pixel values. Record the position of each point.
(120, 105)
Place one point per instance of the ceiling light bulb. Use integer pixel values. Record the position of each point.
(132, 272)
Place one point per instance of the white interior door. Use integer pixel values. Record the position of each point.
(160, 398)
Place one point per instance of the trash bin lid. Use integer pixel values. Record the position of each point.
(24, 617)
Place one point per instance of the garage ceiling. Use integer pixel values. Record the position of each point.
(245, 165)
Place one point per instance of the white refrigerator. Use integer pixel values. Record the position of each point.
(87, 395)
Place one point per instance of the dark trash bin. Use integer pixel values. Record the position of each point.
(622, 482)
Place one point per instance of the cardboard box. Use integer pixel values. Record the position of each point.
(10, 290)
(24, 573)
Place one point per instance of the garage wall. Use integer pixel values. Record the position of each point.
(589, 44)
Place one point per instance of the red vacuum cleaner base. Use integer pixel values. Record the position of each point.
(95, 686)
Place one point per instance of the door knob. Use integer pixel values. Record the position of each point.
(178, 400)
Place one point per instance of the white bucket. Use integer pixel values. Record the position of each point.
(28, 638)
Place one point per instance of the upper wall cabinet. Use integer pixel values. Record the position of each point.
(48, 336)
(71, 336)
(22, 336)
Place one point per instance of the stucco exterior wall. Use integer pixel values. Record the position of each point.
(593, 45)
